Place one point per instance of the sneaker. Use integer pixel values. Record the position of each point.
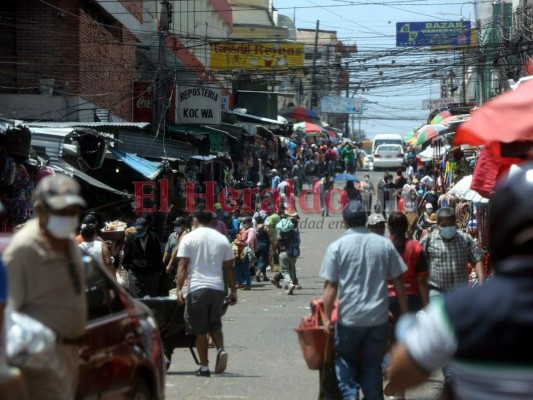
(205, 374)
(290, 289)
(265, 279)
(222, 362)
(247, 288)
(297, 287)
(275, 282)
(257, 278)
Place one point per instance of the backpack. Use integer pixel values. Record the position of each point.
(290, 239)
(331, 155)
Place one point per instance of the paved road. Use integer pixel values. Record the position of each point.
(265, 361)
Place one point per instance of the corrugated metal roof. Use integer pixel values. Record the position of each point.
(148, 146)
(50, 140)
(140, 125)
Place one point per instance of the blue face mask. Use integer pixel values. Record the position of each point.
(448, 232)
(142, 234)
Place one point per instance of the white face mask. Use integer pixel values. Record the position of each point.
(61, 227)
(177, 229)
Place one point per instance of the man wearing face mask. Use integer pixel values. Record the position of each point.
(448, 251)
(46, 281)
(143, 259)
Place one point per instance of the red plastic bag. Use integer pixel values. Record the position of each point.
(313, 337)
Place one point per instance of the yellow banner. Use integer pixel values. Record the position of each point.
(256, 56)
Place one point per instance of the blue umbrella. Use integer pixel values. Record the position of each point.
(345, 177)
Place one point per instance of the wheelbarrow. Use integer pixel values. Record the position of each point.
(170, 319)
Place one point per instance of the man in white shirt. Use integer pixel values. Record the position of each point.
(207, 257)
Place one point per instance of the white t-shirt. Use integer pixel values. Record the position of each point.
(94, 248)
(429, 181)
(206, 250)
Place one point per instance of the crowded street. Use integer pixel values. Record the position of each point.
(262, 199)
(265, 360)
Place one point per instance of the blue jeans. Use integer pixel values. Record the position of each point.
(242, 273)
(359, 353)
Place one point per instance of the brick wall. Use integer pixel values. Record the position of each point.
(85, 58)
(107, 66)
(47, 45)
(135, 7)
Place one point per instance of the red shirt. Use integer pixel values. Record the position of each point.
(414, 258)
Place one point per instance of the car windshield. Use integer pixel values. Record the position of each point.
(389, 149)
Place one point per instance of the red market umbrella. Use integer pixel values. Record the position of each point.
(507, 118)
(300, 113)
(308, 127)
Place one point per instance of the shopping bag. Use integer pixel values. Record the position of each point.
(313, 338)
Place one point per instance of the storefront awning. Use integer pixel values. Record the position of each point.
(148, 169)
(203, 158)
(200, 130)
(63, 167)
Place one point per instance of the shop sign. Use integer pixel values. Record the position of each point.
(341, 105)
(437, 104)
(434, 33)
(198, 105)
(256, 56)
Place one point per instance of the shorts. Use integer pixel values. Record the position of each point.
(203, 311)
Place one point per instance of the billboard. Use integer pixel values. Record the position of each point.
(198, 105)
(256, 56)
(341, 105)
(435, 33)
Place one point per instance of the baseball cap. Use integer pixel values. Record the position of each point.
(291, 213)
(274, 171)
(374, 219)
(58, 192)
(141, 222)
(352, 209)
(218, 206)
(429, 205)
(179, 221)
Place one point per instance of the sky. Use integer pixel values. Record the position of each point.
(393, 81)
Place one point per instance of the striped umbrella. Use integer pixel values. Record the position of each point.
(429, 132)
(441, 116)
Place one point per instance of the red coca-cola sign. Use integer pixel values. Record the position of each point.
(142, 101)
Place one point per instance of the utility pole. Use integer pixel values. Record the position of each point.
(161, 87)
(463, 85)
(314, 95)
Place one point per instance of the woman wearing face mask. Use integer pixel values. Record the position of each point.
(367, 189)
(96, 248)
(171, 249)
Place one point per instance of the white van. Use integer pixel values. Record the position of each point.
(386, 138)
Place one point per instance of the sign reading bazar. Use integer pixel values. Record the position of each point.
(259, 55)
(440, 33)
(198, 105)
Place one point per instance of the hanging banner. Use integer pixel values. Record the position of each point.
(341, 105)
(198, 105)
(256, 56)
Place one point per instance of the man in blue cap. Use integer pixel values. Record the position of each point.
(143, 258)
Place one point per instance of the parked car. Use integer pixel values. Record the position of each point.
(121, 354)
(389, 156)
(366, 161)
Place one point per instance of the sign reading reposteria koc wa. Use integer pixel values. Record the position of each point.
(260, 55)
(434, 33)
(198, 105)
